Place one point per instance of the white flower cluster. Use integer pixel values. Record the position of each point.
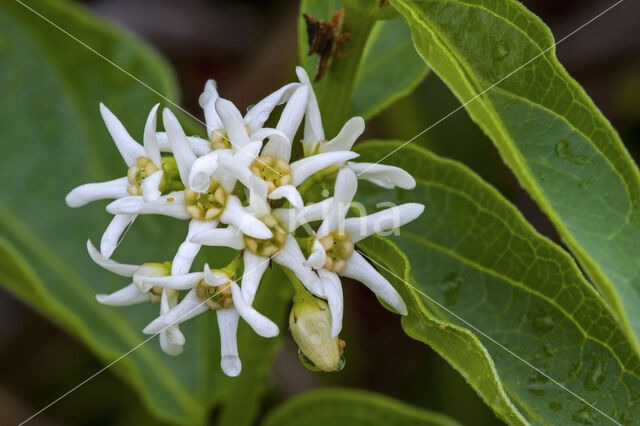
(240, 189)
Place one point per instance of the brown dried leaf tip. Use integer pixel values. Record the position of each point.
(325, 38)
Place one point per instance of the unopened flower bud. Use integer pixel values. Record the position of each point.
(310, 324)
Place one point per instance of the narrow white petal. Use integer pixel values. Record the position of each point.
(279, 145)
(188, 250)
(345, 190)
(174, 282)
(292, 114)
(188, 308)
(313, 131)
(360, 270)
(172, 205)
(318, 256)
(171, 340)
(333, 293)
(254, 267)
(359, 228)
(128, 147)
(291, 219)
(216, 278)
(151, 186)
(348, 135)
(260, 112)
(222, 237)
(290, 193)
(290, 256)
(114, 232)
(237, 167)
(208, 104)
(236, 215)
(179, 145)
(305, 167)
(111, 265)
(150, 142)
(202, 169)
(262, 325)
(233, 123)
(129, 295)
(228, 326)
(383, 175)
(198, 145)
(89, 192)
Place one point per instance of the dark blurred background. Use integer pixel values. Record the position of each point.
(249, 47)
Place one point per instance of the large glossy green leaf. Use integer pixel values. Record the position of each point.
(561, 148)
(388, 68)
(489, 290)
(350, 407)
(53, 139)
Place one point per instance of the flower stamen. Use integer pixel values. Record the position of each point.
(276, 171)
(271, 246)
(207, 205)
(215, 297)
(339, 248)
(143, 168)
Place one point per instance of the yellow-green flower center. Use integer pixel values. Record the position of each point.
(271, 246)
(215, 297)
(339, 248)
(155, 294)
(207, 205)
(143, 168)
(274, 170)
(220, 140)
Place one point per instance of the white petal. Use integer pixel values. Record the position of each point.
(172, 205)
(254, 267)
(89, 192)
(151, 186)
(129, 295)
(279, 144)
(202, 169)
(114, 233)
(216, 278)
(313, 132)
(318, 256)
(333, 294)
(150, 143)
(128, 147)
(383, 175)
(361, 227)
(111, 265)
(262, 325)
(188, 250)
(171, 340)
(237, 166)
(348, 135)
(208, 103)
(292, 114)
(233, 123)
(222, 237)
(228, 326)
(236, 215)
(290, 256)
(360, 270)
(290, 193)
(198, 145)
(259, 113)
(345, 190)
(291, 219)
(188, 308)
(305, 167)
(174, 282)
(179, 145)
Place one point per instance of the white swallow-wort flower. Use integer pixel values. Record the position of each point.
(143, 178)
(141, 290)
(217, 290)
(278, 176)
(334, 253)
(315, 144)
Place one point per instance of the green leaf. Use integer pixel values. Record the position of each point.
(489, 289)
(390, 69)
(334, 406)
(53, 140)
(376, 67)
(560, 147)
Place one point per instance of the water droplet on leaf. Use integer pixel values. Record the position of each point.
(595, 376)
(450, 288)
(583, 416)
(501, 51)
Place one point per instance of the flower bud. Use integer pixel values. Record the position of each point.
(310, 324)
